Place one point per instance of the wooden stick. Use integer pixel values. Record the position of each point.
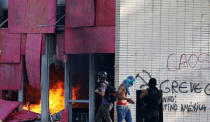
(145, 71)
(137, 75)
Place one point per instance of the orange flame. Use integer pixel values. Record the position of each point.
(56, 99)
(33, 107)
(75, 93)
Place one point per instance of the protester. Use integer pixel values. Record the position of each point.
(123, 111)
(152, 98)
(105, 107)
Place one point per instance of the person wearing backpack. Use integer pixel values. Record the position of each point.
(106, 106)
(152, 98)
(123, 111)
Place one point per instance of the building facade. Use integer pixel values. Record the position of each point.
(170, 39)
(43, 43)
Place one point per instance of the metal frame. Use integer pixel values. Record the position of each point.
(66, 81)
(68, 88)
(22, 90)
(55, 22)
(67, 85)
(70, 92)
(91, 88)
(45, 81)
(3, 22)
(78, 101)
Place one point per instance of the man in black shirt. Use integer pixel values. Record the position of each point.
(152, 98)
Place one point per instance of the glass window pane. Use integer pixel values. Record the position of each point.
(80, 77)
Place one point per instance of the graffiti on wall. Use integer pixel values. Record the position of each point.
(172, 88)
(184, 87)
(170, 104)
(188, 61)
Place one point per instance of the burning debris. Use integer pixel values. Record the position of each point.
(33, 100)
(56, 100)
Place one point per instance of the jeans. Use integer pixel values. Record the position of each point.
(103, 111)
(123, 112)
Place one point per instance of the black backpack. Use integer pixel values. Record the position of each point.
(110, 94)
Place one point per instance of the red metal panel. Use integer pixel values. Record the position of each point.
(22, 116)
(74, 41)
(90, 40)
(105, 12)
(80, 13)
(65, 114)
(60, 46)
(10, 76)
(23, 44)
(7, 107)
(9, 47)
(25, 16)
(16, 15)
(33, 50)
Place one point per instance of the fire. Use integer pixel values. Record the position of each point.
(75, 93)
(56, 99)
(33, 107)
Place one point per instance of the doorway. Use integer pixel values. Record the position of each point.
(80, 81)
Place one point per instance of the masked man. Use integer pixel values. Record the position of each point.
(106, 107)
(123, 111)
(152, 96)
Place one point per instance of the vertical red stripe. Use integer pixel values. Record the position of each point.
(33, 51)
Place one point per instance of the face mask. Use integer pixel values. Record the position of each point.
(98, 79)
(128, 82)
(131, 79)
